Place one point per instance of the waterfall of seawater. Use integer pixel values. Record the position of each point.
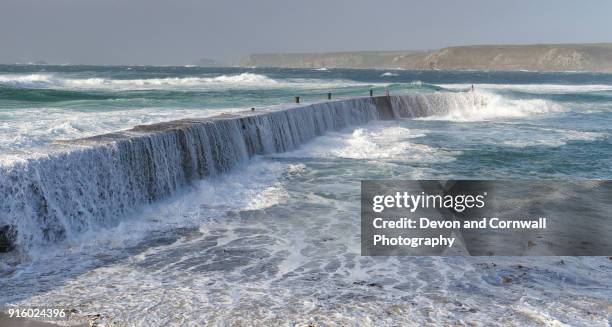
(95, 181)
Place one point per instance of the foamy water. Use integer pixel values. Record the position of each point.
(535, 88)
(275, 240)
(484, 105)
(238, 81)
(43, 107)
(241, 258)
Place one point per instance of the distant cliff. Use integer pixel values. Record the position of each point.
(537, 57)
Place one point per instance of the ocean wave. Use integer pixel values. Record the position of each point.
(482, 106)
(23, 133)
(221, 82)
(26, 81)
(534, 88)
(54, 81)
(388, 74)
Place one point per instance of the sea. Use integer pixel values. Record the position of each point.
(275, 240)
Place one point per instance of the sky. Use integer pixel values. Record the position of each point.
(156, 32)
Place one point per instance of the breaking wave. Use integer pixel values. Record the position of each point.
(53, 81)
(535, 88)
(475, 106)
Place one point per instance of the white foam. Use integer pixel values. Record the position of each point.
(31, 80)
(57, 81)
(244, 80)
(21, 132)
(388, 74)
(534, 88)
(482, 106)
(378, 144)
(254, 186)
(553, 138)
(375, 141)
(241, 80)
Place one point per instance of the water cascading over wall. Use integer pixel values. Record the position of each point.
(95, 181)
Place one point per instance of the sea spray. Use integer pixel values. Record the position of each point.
(470, 106)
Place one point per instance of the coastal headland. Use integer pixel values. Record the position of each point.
(595, 57)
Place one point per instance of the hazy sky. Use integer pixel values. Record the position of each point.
(180, 32)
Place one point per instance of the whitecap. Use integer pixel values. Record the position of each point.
(483, 106)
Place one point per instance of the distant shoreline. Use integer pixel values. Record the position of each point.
(382, 69)
(534, 58)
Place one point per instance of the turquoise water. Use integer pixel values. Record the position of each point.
(277, 239)
(526, 114)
